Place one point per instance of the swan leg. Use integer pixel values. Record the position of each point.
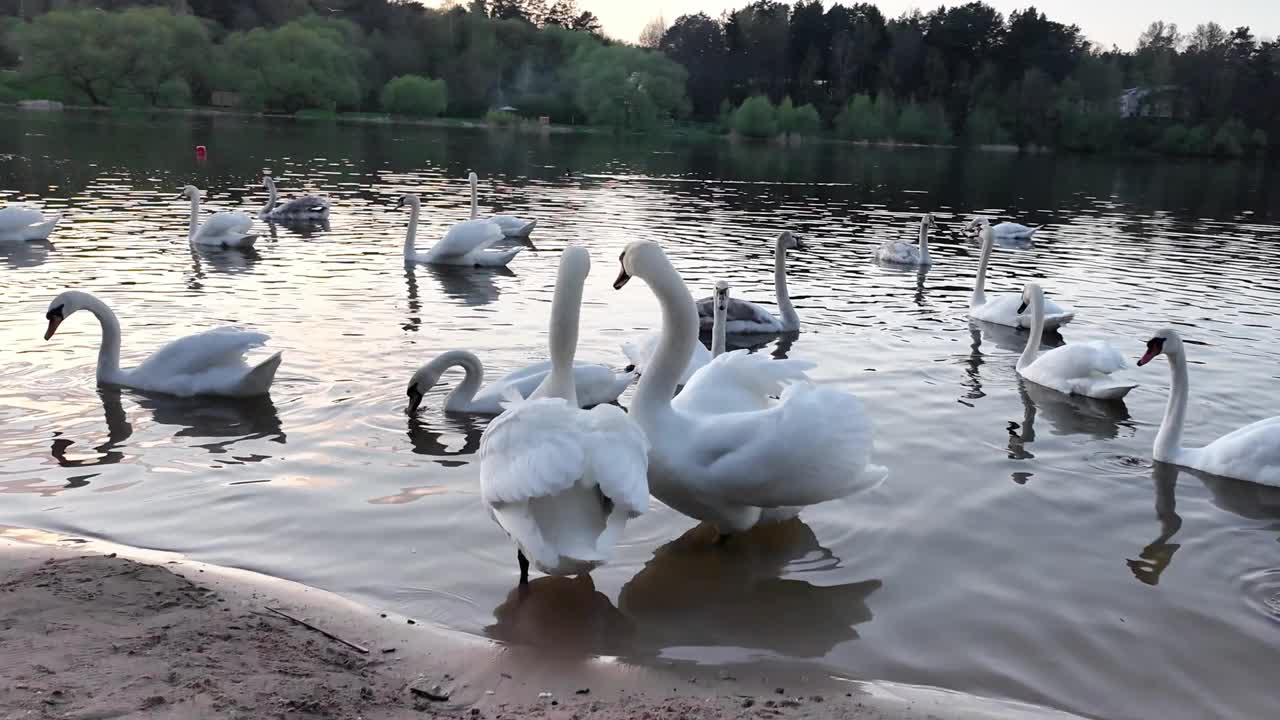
(524, 567)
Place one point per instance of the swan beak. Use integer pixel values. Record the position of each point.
(415, 400)
(54, 322)
(1155, 346)
(1023, 307)
(623, 277)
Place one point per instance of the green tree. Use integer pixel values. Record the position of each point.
(415, 95)
(757, 117)
(307, 63)
(627, 87)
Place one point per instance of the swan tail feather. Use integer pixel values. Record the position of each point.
(259, 379)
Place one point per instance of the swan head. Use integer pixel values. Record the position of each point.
(1029, 293)
(472, 177)
(62, 307)
(421, 383)
(190, 192)
(411, 201)
(575, 264)
(1164, 342)
(722, 295)
(927, 221)
(977, 223)
(643, 259)
(788, 241)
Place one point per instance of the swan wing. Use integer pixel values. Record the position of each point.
(739, 381)
(218, 348)
(16, 217)
(814, 445)
(898, 253)
(226, 223)
(640, 351)
(1249, 453)
(467, 237)
(534, 449)
(305, 205)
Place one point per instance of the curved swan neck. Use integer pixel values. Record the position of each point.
(109, 351)
(924, 241)
(566, 308)
(790, 320)
(271, 196)
(719, 312)
(1037, 328)
(475, 207)
(1169, 438)
(461, 396)
(671, 357)
(411, 235)
(979, 285)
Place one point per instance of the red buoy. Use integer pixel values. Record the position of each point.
(201, 152)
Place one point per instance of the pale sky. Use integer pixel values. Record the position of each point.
(1106, 22)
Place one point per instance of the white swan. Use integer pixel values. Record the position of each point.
(1007, 231)
(228, 228)
(595, 384)
(562, 481)
(720, 313)
(208, 363)
(897, 252)
(305, 208)
(749, 318)
(466, 243)
(512, 226)
(1002, 309)
(21, 224)
(1083, 368)
(1251, 453)
(729, 467)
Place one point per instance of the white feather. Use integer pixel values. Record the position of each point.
(22, 224)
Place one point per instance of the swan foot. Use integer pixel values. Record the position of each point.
(524, 567)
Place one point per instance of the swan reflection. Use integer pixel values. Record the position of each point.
(564, 616)
(472, 287)
(303, 227)
(25, 254)
(429, 437)
(1155, 558)
(119, 430)
(1003, 338)
(226, 421)
(228, 261)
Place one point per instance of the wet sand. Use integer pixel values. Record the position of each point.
(93, 630)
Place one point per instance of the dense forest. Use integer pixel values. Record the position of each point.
(960, 74)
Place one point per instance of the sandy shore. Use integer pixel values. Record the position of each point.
(92, 630)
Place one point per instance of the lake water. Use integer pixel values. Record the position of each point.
(1023, 546)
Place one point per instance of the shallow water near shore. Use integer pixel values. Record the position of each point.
(1024, 545)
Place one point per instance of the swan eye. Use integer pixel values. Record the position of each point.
(54, 314)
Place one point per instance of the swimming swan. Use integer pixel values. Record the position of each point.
(512, 226)
(1083, 368)
(728, 467)
(304, 208)
(1006, 231)
(747, 317)
(562, 481)
(228, 228)
(466, 243)
(1002, 309)
(208, 363)
(22, 224)
(595, 383)
(897, 252)
(1251, 453)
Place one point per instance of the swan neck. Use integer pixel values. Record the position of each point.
(566, 308)
(461, 397)
(790, 321)
(979, 285)
(1169, 438)
(194, 224)
(109, 351)
(671, 357)
(1037, 328)
(721, 309)
(271, 198)
(411, 235)
(475, 207)
(924, 243)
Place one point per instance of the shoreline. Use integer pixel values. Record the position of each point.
(95, 629)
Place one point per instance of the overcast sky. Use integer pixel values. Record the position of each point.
(1106, 22)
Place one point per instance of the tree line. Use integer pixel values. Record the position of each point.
(960, 74)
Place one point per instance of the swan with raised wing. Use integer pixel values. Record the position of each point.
(898, 252)
(1250, 453)
(748, 317)
(229, 228)
(731, 467)
(306, 208)
(1083, 368)
(563, 481)
(1002, 308)
(512, 226)
(595, 384)
(207, 363)
(22, 224)
(466, 243)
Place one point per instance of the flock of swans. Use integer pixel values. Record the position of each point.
(735, 439)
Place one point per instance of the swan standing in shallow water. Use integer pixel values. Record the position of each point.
(1006, 231)
(300, 209)
(228, 228)
(1251, 453)
(22, 224)
(1003, 309)
(208, 363)
(897, 252)
(595, 384)
(562, 481)
(1075, 369)
(731, 467)
(466, 243)
(512, 226)
(749, 318)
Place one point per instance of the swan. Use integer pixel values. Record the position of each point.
(1003, 309)
(748, 317)
(1250, 453)
(640, 351)
(21, 224)
(207, 363)
(222, 229)
(712, 461)
(1008, 231)
(466, 243)
(1075, 369)
(720, 318)
(897, 252)
(595, 384)
(306, 207)
(512, 226)
(563, 481)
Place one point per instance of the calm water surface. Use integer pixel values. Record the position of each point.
(1024, 545)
